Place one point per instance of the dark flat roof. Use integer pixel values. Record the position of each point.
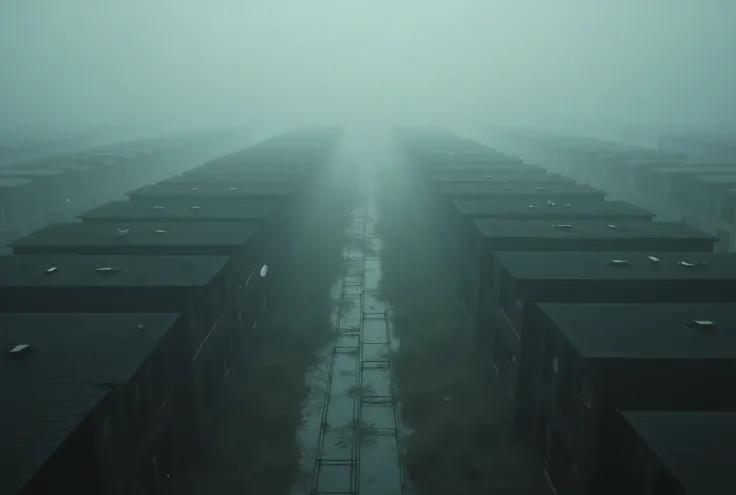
(271, 166)
(30, 172)
(9, 182)
(540, 190)
(36, 419)
(724, 179)
(596, 265)
(481, 154)
(279, 171)
(696, 170)
(60, 164)
(81, 348)
(540, 208)
(140, 234)
(646, 330)
(506, 176)
(213, 189)
(237, 180)
(137, 271)
(461, 165)
(586, 229)
(165, 212)
(696, 447)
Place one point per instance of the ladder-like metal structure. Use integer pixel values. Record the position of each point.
(359, 447)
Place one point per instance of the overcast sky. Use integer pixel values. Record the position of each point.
(562, 62)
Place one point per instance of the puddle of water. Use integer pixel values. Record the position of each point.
(345, 361)
(375, 352)
(372, 304)
(375, 331)
(340, 411)
(339, 444)
(381, 416)
(378, 381)
(350, 318)
(372, 277)
(335, 479)
(348, 339)
(380, 472)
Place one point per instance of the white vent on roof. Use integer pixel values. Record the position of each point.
(18, 349)
(691, 265)
(654, 259)
(488, 177)
(232, 188)
(68, 200)
(158, 207)
(160, 231)
(611, 226)
(563, 226)
(194, 207)
(568, 205)
(140, 326)
(52, 269)
(108, 270)
(122, 232)
(541, 189)
(618, 262)
(531, 206)
(195, 189)
(704, 324)
(264, 271)
(551, 203)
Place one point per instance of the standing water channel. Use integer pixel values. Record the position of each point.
(351, 434)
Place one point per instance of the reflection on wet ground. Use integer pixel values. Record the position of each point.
(351, 436)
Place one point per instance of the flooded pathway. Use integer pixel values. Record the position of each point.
(351, 434)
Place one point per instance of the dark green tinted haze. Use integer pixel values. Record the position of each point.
(570, 63)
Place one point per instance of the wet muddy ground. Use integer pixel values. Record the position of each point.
(330, 402)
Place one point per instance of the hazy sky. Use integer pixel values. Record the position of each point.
(566, 62)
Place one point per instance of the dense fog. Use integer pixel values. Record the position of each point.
(567, 63)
